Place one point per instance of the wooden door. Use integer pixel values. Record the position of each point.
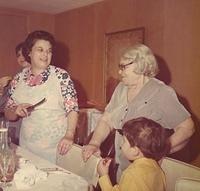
(116, 43)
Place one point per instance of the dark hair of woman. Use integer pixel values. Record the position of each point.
(32, 38)
(19, 47)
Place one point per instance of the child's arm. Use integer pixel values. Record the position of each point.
(103, 166)
(104, 180)
(131, 179)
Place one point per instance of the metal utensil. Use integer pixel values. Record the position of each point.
(54, 169)
(32, 107)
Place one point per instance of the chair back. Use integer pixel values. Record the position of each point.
(73, 161)
(176, 170)
(186, 184)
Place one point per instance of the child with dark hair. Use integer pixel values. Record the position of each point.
(144, 143)
(19, 54)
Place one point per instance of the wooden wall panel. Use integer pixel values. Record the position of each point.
(10, 35)
(76, 45)
(15, 25)
(181, 50)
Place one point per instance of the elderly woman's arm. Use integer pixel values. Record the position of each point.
(100, 133)
(182, 134)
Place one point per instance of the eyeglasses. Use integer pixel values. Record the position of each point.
(123, 66)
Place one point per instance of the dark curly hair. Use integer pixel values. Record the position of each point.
(31, 40)
(149, 136)
(19, 47)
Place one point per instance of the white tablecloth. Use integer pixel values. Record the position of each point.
(56, 181)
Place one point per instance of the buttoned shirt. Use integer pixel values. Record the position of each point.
(155, 101)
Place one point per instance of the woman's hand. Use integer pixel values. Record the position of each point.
(88, 150)
(21, 110)
(103, 166)
(64, 145)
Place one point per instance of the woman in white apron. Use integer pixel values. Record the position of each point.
(50, 126)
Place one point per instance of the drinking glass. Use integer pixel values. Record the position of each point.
(7, 167)
(7, 157)
(2, 123)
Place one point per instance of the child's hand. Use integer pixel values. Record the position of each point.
(103, 166)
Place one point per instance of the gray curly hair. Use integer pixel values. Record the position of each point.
(144, 59)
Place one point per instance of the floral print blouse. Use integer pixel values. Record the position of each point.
(66, 85)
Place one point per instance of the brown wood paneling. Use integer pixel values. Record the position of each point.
(10, 35)
(15, 25)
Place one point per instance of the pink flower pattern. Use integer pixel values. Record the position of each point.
(66, 85)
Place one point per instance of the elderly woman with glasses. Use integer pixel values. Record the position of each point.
(140, 94)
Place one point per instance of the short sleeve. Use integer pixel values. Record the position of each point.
(68, 91)
(10, 101)
(173, 111)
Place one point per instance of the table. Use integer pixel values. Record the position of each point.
(59, 181)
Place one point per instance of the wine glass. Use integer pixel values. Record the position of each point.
(7, 157)
(7, 167)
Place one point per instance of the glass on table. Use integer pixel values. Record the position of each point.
(7, 157)
(7, 167)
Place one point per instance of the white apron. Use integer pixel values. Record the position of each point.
(47, 124)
